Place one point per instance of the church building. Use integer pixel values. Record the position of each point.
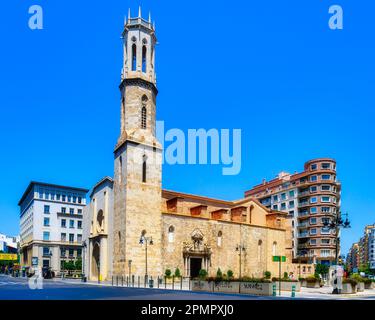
(133, 226)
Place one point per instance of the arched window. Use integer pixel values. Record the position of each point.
(171, 234)
(120, 170)
(134, 57)
(274, 248)
(144, 59)
(219, 238)
(144, 118)
(100, 221)
(144, 169)
(260, 242)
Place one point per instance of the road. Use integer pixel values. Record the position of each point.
(18, 289)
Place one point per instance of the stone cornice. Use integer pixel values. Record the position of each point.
(139, 82)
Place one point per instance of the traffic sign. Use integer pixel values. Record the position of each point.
(278, 258)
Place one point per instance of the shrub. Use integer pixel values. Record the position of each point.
(352, 281)
(367, 280)
(357, 277)
(274, 279)
(219, 274)
(168, 273)
(267, 275)
(285, 275)
(230, 274)
(202, 274)
(312, 279)
(301, 279)
(177, 273)
(252, 279)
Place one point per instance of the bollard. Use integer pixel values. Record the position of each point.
(274, 290)
(122, 281)
(116, 281)
(139, 281)
(127, 281)
(158, 282)
(172, 282)
(112, 281)
(181, 283)
(133, 280)
(293, 291)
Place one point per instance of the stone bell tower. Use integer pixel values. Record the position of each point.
(137, 177)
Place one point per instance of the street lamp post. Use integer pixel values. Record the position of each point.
(146, 241)
(83, 261)
(240, 248)
(336, 224)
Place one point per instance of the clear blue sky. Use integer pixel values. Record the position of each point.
(274, 69)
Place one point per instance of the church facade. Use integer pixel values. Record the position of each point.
(134, 227)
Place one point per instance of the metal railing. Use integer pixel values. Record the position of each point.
(159, 282)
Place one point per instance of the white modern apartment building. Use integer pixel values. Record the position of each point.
(8, 244)
(51, 225)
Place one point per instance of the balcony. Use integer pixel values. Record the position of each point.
(303, 204)
(303, 214)
(303, 225)
(303, 193)
(303, 246)
(303, 235)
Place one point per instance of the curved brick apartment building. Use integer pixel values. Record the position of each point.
(309, 197)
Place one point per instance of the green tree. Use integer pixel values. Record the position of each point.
(177, 273)
(219, 274)
(168, 273)
(267, 274)
(230, 274)
(365, 268)
(202, 274)
(78, 264)
(321, 269)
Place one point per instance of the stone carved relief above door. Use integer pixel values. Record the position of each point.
(196, 246)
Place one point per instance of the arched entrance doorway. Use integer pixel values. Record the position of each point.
(95, 261)
(197, 255)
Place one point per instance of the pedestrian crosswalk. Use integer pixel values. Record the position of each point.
(10, 283)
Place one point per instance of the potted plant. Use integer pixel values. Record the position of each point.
(287, 284)
(267, 275)
(369, 284)
(303, 282)
(312, 282)
(360, 282)
(349, 285)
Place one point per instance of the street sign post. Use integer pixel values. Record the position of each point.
(279, 259)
